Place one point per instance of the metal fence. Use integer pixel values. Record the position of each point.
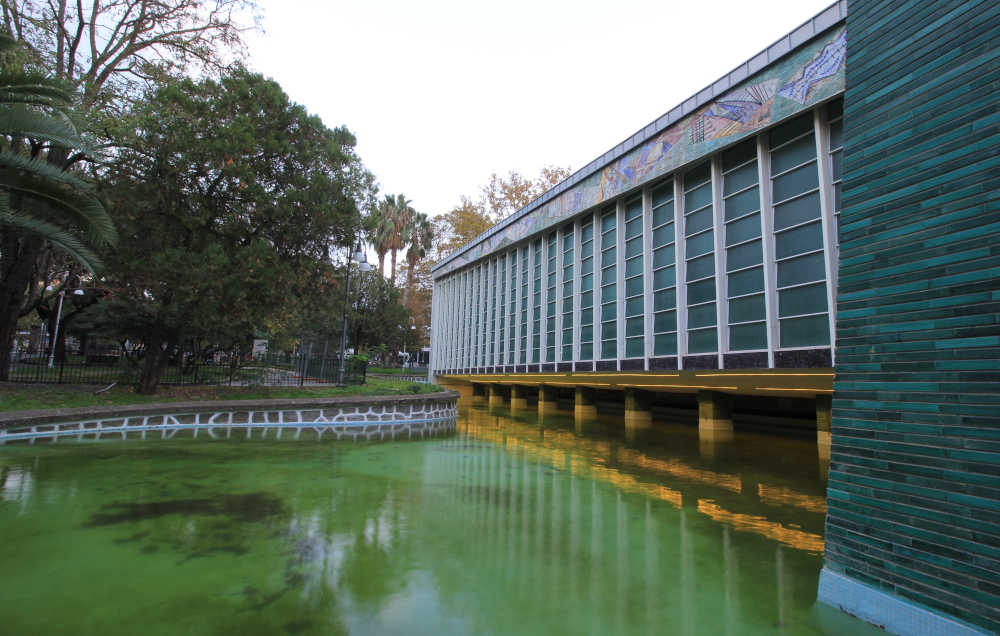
(187, 368)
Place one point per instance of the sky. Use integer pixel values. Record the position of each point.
(442, 93)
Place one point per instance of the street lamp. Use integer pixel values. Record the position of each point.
(55, 332)
(406, 356)
(363, 265)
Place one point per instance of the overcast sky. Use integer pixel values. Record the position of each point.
(441, 93)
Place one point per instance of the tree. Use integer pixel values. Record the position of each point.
(503, 196)
(231, 199)
(378, 226)
(421, 237)
(43, 199)
(111, 49)
(460, 225)
(400, 216)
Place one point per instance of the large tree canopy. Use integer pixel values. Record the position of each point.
(227, 196)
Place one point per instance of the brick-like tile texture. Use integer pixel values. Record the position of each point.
(914, 490)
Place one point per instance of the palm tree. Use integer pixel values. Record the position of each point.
(379, 227)
(420, 240)
(401, 218)
(43, 200)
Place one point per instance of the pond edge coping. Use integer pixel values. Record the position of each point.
(49, 416)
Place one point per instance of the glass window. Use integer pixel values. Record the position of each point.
(664, 271)
(609, 291)
(702, 340)
(550, 295)
(796, 301)
(748, 337)
(796, 211)
(567, 294)
(744, 255)
(587, 295)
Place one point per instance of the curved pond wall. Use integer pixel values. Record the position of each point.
(351, 418)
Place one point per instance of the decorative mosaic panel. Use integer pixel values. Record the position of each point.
(810, 75)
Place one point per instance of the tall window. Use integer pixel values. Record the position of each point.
(550, 297)
(744, 251)
(699, 237)
(835, 116)
(567, 294)
(798, 236)
(502, 308)
(524, 305)
(512, 310)
(536, 302)
(491, 336)
(609, 283)
(664, 271)
(477, 308)
(634, 316)
(587, 291)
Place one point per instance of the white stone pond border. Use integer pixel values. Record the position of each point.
(366, 418)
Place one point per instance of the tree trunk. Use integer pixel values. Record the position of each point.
(392, 273)
(157, 356)
(409, 283)
(381, 263)
(19, 259)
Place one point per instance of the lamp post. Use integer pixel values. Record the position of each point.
(55, 332)
(363, 265)
(406, 356)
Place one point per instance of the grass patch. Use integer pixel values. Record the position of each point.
(26, 397)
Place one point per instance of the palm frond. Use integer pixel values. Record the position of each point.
(20, 121)
(59, 237)
(81, 205)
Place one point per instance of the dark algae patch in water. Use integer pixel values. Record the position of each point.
(252, 507)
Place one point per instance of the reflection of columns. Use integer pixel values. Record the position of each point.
(548, 399)
(652, 559)
(595, 554)
(824, 417)
(574, 536)
(732, 599)
(497, 396)
(517, 398)
(715, 422)
(584, 409)
(539, 525)
(621, 561)
(779, 562)
(638, 418)
(687, 580)
(479, 394)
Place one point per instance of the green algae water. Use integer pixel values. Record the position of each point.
(511, 526)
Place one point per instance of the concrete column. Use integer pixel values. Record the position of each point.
(497, 395)
(824, 416)
(638, 417)
(715, 422)
(547, 399)
(479, 394)
(585, 407)
(517, 398)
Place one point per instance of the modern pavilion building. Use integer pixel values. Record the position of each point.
(822, 220)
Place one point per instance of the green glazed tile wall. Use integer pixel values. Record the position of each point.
(914, 490)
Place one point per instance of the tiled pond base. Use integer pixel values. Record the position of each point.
(377, 420)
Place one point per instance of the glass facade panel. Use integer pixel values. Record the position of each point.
(744, 255)
(746, 308)
(748, 337)
(796, 301)
(746, 282)
(701, 267)
(664, 271)
(796, 211)
(587, 296)
(700, 244)
(701, 316)
(744, 202)
(809, 331)
(609, 291)
(803, 269)
(550, 296)
(743, 230)
(702, 341)
(567, 293)
(805, 238)
(742, 177)
(802, 311)
(701, 292)
(536, 302)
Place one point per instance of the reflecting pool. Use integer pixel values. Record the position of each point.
(512, 526)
